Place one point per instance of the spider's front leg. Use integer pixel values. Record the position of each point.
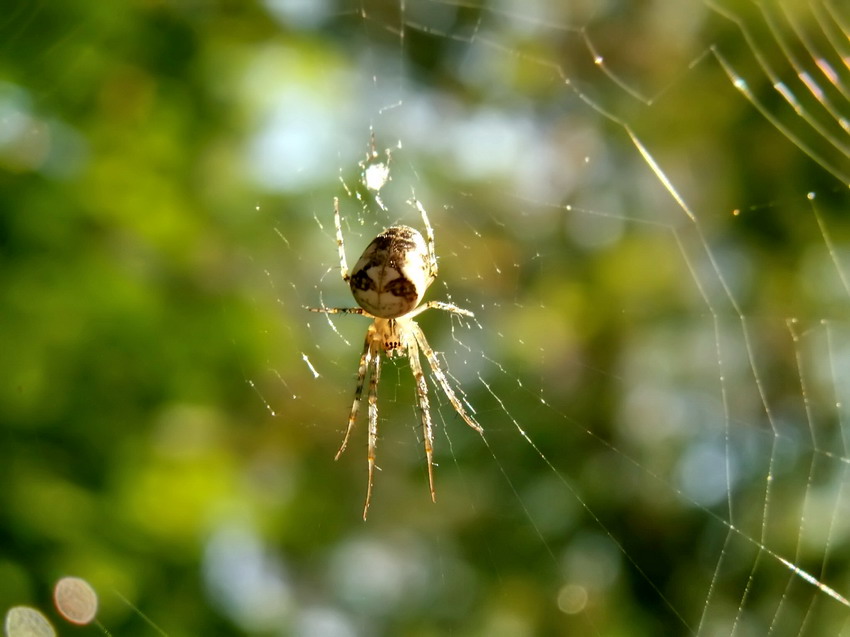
(364, 367)
(424, 410)
(370, 365)
(373, 423)
(440, 376)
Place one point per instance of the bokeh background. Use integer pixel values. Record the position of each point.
(662, 382)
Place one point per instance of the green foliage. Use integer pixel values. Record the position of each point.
(162, 432)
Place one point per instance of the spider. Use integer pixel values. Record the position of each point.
(388, 283)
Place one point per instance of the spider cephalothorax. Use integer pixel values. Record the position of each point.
(388, 283)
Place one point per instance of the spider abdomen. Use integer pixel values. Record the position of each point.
(391, 276)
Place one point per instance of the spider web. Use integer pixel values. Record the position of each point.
(645, 207)
(690, 477)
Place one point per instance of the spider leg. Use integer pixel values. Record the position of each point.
(441, 378)
(337, 310)
(429, 236)
(424, 410)
(440, 305)
(340, 243)
(373, 421)
(365, 364)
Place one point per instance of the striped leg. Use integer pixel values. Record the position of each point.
(441, 378)
(365, 363)
(373, 422)
(340, 243)
(424, 410)
(439, 305)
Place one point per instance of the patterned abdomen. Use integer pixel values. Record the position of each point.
(391, 276)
